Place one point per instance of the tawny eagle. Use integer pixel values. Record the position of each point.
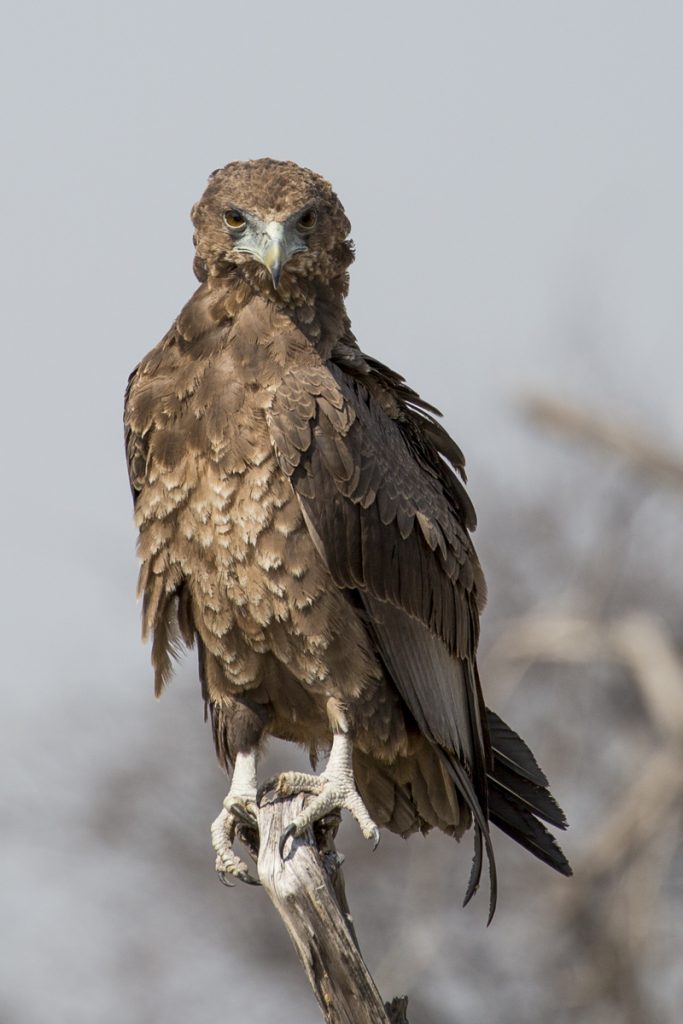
(303, 521)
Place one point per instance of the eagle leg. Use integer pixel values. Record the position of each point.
(335, 789)
(238, 815)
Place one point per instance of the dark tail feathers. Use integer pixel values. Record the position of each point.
(519, 795)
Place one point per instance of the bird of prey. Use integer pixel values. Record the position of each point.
(303, 521)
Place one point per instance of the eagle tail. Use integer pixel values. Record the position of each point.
(519, 796)
(482, 838)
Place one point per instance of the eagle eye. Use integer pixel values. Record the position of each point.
(234, 220)
(307, 220)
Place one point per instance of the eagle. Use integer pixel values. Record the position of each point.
(303, 522)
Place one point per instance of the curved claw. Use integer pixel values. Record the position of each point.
(228, 864)
(245, 817)
(224, 878)
(238, 871)
(286, 834)
(249, 879)
(333, 791)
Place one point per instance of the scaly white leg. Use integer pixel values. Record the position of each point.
(239, 804)
(335, 789)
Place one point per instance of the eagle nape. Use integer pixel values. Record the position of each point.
(304, 524)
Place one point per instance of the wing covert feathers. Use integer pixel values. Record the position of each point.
(385, 518)
(391, 519)
(384, 514)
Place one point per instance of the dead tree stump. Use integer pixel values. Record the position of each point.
(306, 887)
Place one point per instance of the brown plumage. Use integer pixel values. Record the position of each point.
(303, 521)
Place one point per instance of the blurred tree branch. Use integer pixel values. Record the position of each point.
(643, 453)
(620, 876)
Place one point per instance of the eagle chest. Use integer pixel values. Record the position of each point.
(218, 515)
(240, 531)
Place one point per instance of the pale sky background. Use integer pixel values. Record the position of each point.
(513, 174)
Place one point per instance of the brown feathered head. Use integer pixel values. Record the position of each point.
(273, 220)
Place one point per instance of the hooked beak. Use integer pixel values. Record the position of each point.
(273, 244)
(275, 254)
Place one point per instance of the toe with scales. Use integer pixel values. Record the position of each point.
(237, 820)
(334, 790)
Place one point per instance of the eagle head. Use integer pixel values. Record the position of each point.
(273, 220)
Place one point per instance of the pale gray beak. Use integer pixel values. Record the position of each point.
(274, 255)
(272, 244)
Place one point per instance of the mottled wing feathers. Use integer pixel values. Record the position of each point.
(136, 449)
(384, 518)
(382, 514)
(430, 442)
(158, 378)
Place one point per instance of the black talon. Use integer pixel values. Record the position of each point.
(289, 831)
(249, 879)
(244, 816)
(376, 839)
(224, 879)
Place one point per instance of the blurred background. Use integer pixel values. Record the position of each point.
(513, 175)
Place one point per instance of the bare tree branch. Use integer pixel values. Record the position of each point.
(307, 890)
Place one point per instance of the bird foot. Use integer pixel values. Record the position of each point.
(335, 790)
(237, 820)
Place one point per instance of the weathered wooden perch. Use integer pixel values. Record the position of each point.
(306, 887)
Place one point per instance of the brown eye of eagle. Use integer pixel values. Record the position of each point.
(307, 220)
(234, 220)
